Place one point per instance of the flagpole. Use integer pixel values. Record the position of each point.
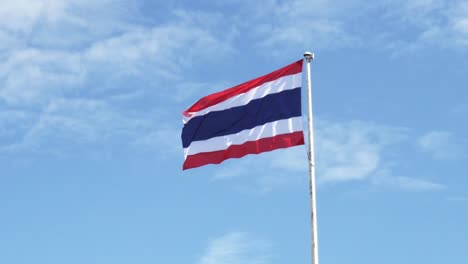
(308, 56)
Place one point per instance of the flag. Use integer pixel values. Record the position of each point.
(260, 115)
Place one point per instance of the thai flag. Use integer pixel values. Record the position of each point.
(257, 116)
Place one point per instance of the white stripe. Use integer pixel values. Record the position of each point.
(267, 130)
(281, 84)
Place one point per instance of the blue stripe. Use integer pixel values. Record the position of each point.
(273, 107)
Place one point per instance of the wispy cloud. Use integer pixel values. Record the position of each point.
(43, 23)
(283, 170)
(362, 151)
(163, 138)
(345, 152)
(460, 109)
(354, 150)
(412, 25)
(12, 124)
(404, 25)
(33, 74)
(237, 248)
(457, 199)
(75, 121)
(439, 144)
(73, 87)
(318, 24)
(386, 180)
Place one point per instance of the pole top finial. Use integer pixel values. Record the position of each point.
(309, 55)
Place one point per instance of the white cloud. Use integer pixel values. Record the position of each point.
(439, 144)
(161, 50)
(89, 54)
(459, 23)
(32, 75)
(162, 138)
(412, 184)
(318, 24)
(403, 25)
(76, 121)
(412, 25)
(44, 23)
(352, 151)
(249, 171)
(292, 159)
(237, 248)
(20, 15)
(460, 109)
(36, 75)
(459, 199)
(360, 151)
(12, 123)
(386, 180)
(345, 151)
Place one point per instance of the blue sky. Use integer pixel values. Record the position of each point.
(91, 94)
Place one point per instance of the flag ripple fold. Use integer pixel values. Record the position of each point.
(260, 115)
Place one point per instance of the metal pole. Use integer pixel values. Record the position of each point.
(308, 56)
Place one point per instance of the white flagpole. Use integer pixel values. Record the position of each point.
(308, 56)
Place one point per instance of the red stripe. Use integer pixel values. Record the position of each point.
(250, 147)
(218, 97)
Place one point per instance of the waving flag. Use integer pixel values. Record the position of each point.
(257, 116)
